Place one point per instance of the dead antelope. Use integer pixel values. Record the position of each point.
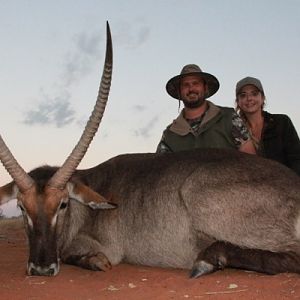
(202, 210)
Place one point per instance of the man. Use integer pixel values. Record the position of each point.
(201, 124)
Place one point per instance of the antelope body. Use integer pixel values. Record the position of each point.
(202, 210)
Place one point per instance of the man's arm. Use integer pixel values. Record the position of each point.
(162, 147)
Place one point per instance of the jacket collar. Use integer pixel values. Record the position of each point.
(180, 125)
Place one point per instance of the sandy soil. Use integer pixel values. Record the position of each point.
(128, 282)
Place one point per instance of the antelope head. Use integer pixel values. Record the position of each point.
(43, 201)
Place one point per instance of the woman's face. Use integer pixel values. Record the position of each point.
(250, 100)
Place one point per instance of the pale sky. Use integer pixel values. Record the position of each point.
(52, 54)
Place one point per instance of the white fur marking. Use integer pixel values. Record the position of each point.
(72, 195)
(30, 223)
(54, 219)
(102, 205)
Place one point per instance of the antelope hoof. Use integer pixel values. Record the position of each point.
(95, 262)
(201, 268)
(99, 262)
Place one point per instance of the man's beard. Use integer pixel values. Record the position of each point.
(193, 103)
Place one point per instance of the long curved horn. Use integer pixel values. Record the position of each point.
(63, 174)
(22, 179)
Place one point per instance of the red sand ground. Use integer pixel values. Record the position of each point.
(129, 282)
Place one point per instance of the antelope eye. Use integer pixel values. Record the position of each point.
(63, 205)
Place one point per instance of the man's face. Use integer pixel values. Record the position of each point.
(192, 91)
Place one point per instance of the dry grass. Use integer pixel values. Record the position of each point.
(11, 224)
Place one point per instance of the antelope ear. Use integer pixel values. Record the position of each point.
(85, 195)
(8, 192)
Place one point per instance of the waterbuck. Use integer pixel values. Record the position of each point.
(201, 210)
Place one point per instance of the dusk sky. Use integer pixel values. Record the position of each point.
(52, 54)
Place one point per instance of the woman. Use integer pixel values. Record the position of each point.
(274, 135)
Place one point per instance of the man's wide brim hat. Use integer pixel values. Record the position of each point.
(173, 85)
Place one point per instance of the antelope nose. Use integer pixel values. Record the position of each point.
(34, 270)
